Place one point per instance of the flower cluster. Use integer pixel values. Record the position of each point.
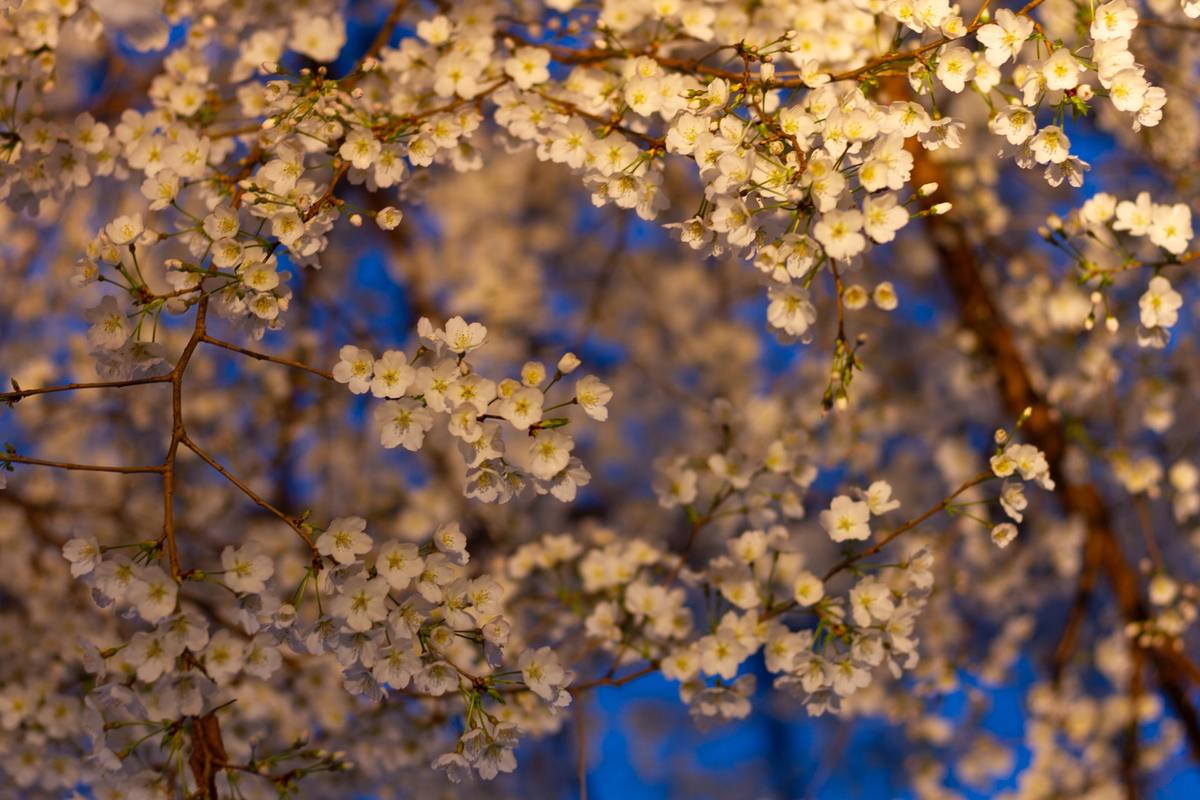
(213, 588)
(474, 407)
(1105, 237)
(412, 617)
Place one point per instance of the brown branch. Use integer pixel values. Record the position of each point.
(884, 540)
(569, 55)
(327, 198)
(178, 434)
(247, 167)
(293, 523)
(1084, 590)
(21, 394)
(608, 680)
(38, 462)
(386, 29)
(208, 754)
(979, 313)
(395, 124)
(610, 123)
(286, 362)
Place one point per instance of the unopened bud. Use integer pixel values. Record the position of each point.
(939, 209)
(927, 189)
(568, 363)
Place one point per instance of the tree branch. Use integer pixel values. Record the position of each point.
(979, 314)
(286, 362)
(907, 526)
(38, 462)
(21, 394)
(293, 523)
(177, 436)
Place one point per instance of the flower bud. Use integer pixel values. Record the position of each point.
(568, 363)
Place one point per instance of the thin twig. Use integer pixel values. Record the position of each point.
(883, 541)
(292, 523)
(286, 362)
(15, 396)
(608, 680)
(38, 462)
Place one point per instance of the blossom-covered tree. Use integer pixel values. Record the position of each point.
(388, 379)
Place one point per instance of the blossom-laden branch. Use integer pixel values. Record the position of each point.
(795, 137)
(1102, 547)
